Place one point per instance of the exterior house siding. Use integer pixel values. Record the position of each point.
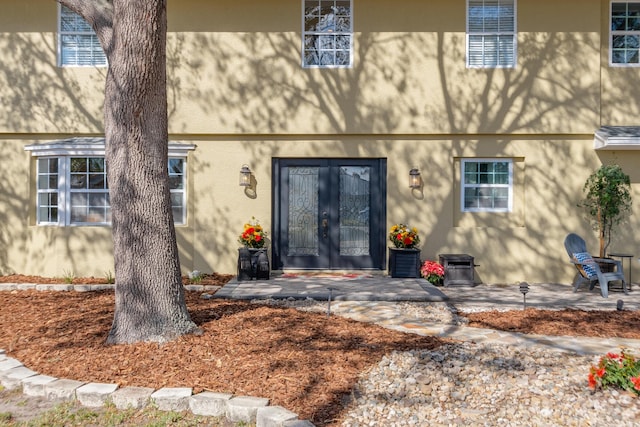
(238, 91)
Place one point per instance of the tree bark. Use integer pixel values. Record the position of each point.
(149, 296)
(601, 233)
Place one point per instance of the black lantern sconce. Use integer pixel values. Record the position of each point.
(245, 176)
(415, 181)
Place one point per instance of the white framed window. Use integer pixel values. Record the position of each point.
(72, 187)
(177, 186)
(327, 33)
(78, 44)
(487, 185)
(491, 33)
(88, 193)
(624, 39)
(47, 183)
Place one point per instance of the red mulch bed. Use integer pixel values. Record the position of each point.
(300, 360)
(303, 361)
(571, 322)
(213, 279)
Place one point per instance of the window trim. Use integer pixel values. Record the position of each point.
(617, 32)
(48, 191)
(66, 191)
(60, 34)
(350, 34)
(513, 33)
(510, 186)
(64, 150)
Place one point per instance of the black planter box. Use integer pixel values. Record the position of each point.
(253, 263)
(404, 262)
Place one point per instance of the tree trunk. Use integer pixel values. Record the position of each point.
(601, 233)
(149, 300)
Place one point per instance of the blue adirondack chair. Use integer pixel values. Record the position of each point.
(588, 267)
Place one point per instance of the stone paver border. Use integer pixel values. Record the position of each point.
(247, 409)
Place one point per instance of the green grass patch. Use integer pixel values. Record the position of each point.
(71, 414)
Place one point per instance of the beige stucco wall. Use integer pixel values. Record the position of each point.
(409, 73)
(234, 67)
(526, 244)
(523, 245)
(237, 91)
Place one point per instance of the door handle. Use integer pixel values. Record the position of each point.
(325, 225)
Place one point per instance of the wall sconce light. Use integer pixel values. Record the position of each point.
(245, 176)
(414, 178)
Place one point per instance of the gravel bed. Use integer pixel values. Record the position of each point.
(486, 385)
(472, 384)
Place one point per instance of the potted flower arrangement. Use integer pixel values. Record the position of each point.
(253, 235)
(404, 256)
(404, 237)
(253, 261)
(432, 271)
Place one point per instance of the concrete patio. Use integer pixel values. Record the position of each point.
(384, 288)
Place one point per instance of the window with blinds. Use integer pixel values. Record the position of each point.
(78, 44)
(491, 33)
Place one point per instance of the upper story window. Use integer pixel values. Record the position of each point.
(487, 185)
(78, 44)
(624, 45)
(327, 33)
(491, 33)
(72, 187)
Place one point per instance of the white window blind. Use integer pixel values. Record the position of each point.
(491, 33)
(78, 43)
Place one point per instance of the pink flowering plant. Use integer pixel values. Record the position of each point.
(432, 271)
(403, 236)
(617, 370)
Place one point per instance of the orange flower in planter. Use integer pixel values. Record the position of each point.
(404, 237)
(253, 235)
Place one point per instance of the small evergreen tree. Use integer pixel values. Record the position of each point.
(607, 202)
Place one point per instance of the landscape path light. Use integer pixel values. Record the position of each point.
(524, 289)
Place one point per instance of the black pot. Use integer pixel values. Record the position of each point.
(404, 262)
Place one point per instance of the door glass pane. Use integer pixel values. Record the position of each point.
(303, 211)
(354, 210)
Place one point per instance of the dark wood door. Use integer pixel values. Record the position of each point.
(329, 213)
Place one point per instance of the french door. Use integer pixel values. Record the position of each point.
(329, 213)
